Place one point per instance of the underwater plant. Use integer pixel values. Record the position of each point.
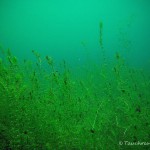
(101, 34)
(46, 108)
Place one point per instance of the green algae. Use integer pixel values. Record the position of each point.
(51, 109)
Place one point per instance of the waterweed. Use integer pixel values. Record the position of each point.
(49, 60)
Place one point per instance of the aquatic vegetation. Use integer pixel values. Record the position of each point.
(49, 108)
(101, 34)
(49, 60)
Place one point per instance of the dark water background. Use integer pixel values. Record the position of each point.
(70, 29)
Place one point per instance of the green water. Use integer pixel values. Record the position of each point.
(74, 75)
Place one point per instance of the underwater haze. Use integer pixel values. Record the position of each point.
(58, 28)
(74, 74)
